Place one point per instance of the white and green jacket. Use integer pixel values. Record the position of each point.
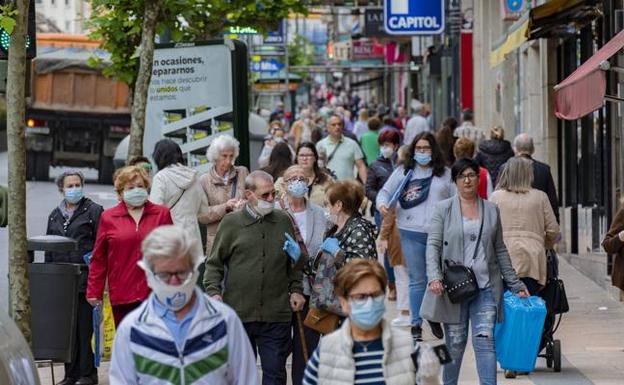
(216, 350)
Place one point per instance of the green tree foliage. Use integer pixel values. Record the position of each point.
(118, 24)
(300, 53)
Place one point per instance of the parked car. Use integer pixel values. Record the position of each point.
(17, 366)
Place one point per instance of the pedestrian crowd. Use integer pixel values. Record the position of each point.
(344, 218)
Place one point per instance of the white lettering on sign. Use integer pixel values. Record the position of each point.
(399, 7)
(409, 22)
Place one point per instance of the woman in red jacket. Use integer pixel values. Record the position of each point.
(118, 244)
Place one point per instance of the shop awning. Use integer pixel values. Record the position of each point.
(515, 37)
(551, 19)
(584, 90)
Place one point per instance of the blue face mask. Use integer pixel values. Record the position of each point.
(298, 189)
(367, 315)
(422, 159)
(73, 195)
(135, 197)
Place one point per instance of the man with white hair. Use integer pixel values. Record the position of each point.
(542, 177)
(179, 334)
(253, 267)
(417, 123)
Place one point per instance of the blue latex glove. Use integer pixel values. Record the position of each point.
(87, 258)
(331, 246)
(291, 247)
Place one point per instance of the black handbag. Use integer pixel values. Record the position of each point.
(460, 282)
(555, 297)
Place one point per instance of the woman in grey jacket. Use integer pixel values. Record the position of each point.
(311, 225)
(455, 236)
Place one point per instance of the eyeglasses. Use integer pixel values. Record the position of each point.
(296, 179)
(362, 298)
(267, 195)
(471, 176)
(422, 149)
(166, 276)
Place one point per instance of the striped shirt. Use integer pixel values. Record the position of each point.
(368, 357)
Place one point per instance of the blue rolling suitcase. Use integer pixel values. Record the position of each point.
(518, 337)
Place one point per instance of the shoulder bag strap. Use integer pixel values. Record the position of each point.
(480, 232)
(298, 236)
(331, 156)
(177, 200)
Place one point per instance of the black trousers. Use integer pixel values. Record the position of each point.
(82, 364)
(311, 337)
(270, 340)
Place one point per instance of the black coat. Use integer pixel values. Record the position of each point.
(492, 154)
(378, 173)
(82, 227)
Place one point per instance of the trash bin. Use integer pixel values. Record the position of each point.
(53, 298)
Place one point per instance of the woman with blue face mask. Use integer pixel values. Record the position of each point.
(77, 217)
(310, 226)
(118, 243)
(366, 349)
(430, 182)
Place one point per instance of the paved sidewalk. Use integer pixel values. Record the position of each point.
(592, 336)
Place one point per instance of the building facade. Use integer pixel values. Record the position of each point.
(519, 58)
(69, 16)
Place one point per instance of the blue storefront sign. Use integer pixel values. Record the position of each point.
(266, 66)
(414, 17)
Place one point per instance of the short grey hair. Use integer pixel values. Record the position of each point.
(220, 144)
(517, 175)
(523, 144)
(60, 180)
(169, 242)
(251, 182)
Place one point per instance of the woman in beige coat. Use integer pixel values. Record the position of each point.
(529, 224)
(224, 184)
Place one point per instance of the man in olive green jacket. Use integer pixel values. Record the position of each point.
(253, 268)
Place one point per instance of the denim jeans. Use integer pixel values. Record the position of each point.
(481, 314)
(387, 267)
(414, 245)
(271, 340)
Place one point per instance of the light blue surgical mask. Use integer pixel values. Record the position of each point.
(73, 195)
(422, 159)
(298, 188)
(367, 314)
(135, 197)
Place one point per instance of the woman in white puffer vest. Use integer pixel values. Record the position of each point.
(367, 349)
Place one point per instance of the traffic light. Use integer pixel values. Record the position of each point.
(31, 38)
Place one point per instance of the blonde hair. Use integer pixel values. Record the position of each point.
(517, 175)
(363, 115)
(127, 174)
(497, 132)
(464, 148)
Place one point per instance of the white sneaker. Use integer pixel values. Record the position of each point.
(402, 321)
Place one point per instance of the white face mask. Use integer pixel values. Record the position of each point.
(332, 218)
(387, 151)
(173, 297)
(263, 207)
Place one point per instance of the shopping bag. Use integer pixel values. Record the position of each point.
(518, 337)
(103, 331)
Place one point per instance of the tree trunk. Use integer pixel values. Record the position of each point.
(19, 292)
(139, 101)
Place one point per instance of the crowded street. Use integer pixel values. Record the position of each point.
(378, 192)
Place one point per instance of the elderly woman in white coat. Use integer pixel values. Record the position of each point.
(224, 184)
(466, 230)
(310, 226)
(177, 187)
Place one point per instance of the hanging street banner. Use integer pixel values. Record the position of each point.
(414, 17)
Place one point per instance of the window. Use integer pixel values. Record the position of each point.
(68, 26)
